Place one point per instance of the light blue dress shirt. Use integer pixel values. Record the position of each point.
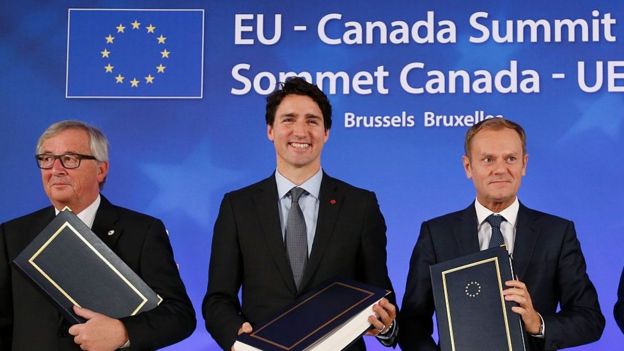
(309, 202)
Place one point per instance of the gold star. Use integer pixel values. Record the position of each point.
(149, 79)
(161, 39)
(134, 83)
(165, 53)
(160, 68)
(109, 68)
(150, 29)
(109, 39)
(136, 24)
(120, 28)
(105, 53)
(119, 79)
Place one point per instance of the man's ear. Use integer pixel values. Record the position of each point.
(102, 171)
(525, 161)
(466, 162)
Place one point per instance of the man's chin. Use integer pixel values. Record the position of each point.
(60, 197)
(501, 190)
(502, 199)
(59, 187)
(301, 161)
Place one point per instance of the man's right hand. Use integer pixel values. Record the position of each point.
(245, 328)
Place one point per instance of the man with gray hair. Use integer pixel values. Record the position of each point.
(73, 159)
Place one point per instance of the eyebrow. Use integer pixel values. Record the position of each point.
(513, 153)
(71, 152)
(307, 115)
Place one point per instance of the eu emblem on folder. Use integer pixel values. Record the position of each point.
(470, 309)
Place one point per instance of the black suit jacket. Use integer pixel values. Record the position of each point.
(547, 258)
(30, 321)
(248, 251)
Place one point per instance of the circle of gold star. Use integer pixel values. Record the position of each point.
(472, 289)
(108, 52)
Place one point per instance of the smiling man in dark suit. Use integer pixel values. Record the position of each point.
(73, 158)
(556, 300)
(254, 243)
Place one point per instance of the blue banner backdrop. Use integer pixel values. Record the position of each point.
(406, 78)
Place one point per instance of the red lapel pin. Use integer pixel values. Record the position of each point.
(332, 201)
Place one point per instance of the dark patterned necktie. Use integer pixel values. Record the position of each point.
(296, 236)
(497, 236)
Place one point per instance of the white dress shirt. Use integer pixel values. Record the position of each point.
(88, 214)
(508, 226)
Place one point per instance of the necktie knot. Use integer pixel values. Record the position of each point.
(495, 220)
(295, 193)
(497, 236)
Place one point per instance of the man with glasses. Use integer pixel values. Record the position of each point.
(73, 158)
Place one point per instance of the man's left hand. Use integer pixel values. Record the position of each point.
(99, 332)
(385, 314)
(518, 293)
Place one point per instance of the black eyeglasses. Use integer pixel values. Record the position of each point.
(69, 161)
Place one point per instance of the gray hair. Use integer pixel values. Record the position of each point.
(97, 140)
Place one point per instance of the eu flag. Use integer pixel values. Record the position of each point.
(135, 53)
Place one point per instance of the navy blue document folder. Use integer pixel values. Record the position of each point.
(470, 309)
(70, 264)
(329, 318)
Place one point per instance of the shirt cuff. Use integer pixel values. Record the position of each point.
(389, 335)
(126, 345)
(540, 334)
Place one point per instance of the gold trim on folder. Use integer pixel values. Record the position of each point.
(500, 288)
(284, 347)
(31, 260)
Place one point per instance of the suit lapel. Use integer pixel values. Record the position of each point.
(36, 225)
(105, 224)
(466, 232)
(266, 203)
(330, 203)
(527, 236)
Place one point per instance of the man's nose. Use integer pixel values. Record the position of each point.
(299, 128)
(500, 166)
(57, 166)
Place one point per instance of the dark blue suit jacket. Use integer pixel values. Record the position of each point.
(618, 310)
(547, 258)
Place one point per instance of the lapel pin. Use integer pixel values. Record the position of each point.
(332, 201)
(111, 232)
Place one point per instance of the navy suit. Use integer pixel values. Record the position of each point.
(248, 250)
(547, 257)
(29, 320)
(618, 310)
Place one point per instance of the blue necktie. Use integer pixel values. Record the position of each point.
(296, 236)
(497, 236)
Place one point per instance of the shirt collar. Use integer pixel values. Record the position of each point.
(312, 185)
(510, 213)
(88, 214)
